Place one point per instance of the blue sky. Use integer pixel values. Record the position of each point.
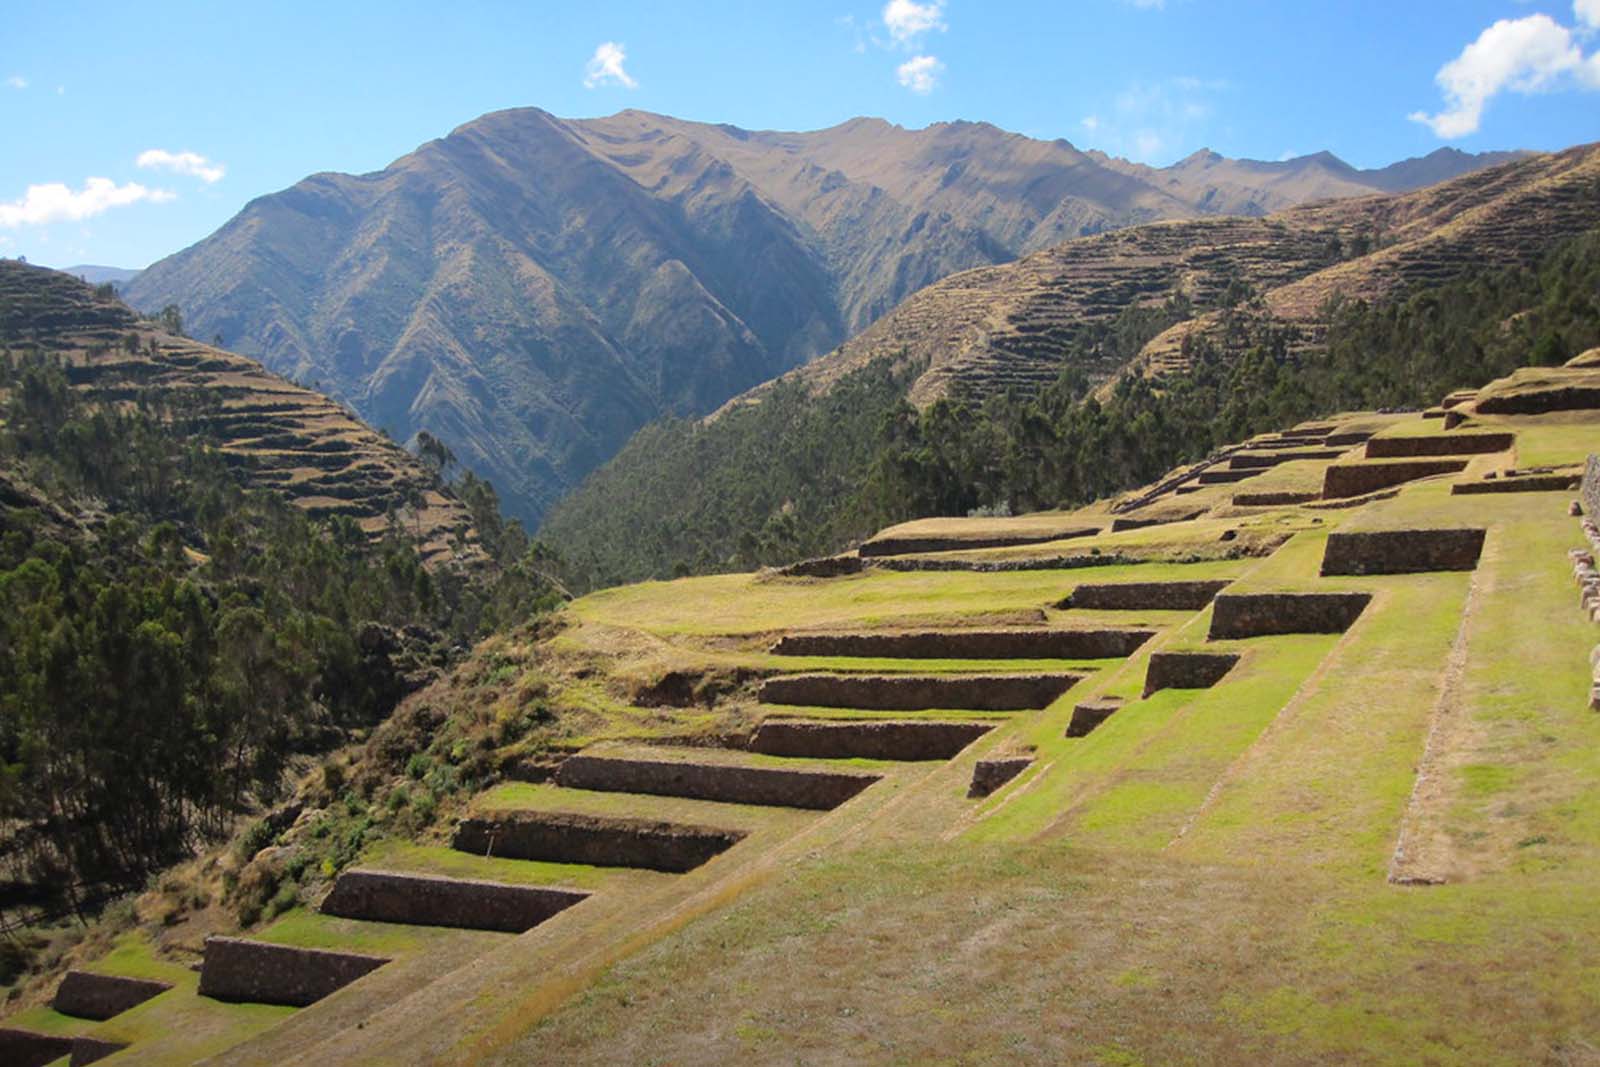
(133, 130)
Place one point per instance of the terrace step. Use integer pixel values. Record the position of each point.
(26, 1048)
(1358, 479)
(910, 544)
(1261, 614)
(1402, 551)
(259, 972)
(1464, 443)
(596, 840)
(969, 644)
(716, 781)
(1091, 713)
(433, 900)
(1187, 670)
(989, 775)
(976, 692)
(880, 739)
(100, 996)
(1144, 596)
(1527, 483)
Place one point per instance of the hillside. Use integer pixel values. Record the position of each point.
(532, 289)
(1285, 758)
(281, 435)
(1066, 376)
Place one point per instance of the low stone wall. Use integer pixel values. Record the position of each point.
(1006, 566)
(262, 973)
(25, 1048)
(1089, 714)
(603, 841)
(1536, 402)
(100, 996)
(1358, 479)
(775, 786)
(889, 692)
(1527, 483)
(1347, 439)
(1402, 551)
(1273, 459)
(865, 740)
(1224, 477)
(1466, 443)
(1260, 614)
(86, 1050)
(1591, 488)
(1123, 523)
(969, 644)
(1187, 670)
(428, 900)
(1144, 596)
(824, 567)
(905, 546)
(1265, 500)
(990, 774)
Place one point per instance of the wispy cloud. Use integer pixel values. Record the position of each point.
(920, 74)
(1527, 55)
(908, 21)
(605, 67)
(1150, 122)
(1147, 5)
(191, 163)
(55, 202)
(17, 81)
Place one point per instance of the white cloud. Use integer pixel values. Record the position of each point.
(908, 21)
(605, 67)
(17, 81)
(1588, 12)
(191, 163)
(1091, 122)
(55, 202)
(1523, 55)
(1149, 122)
(920, 74)
(1148, 5)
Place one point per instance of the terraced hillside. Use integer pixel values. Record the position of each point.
(1287, 758)
(1010, 326)
(282, 435)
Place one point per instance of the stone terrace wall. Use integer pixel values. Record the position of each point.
(866, 740)
(597, 840)
(1521, 483)
(1261, 500)
(990, 774)
(1402, 551)
(25, 1048)
(1089, 714)
(426, 900)
(100, 996)
(1144, 596)
(1591, 488)
(1259, 614)
(262, 973)
(1449, 444)
(1358, 479)
(1573, 397)
(969, 644)
(87, 1050)
(1187, 670)
(777, 786)
(902, 546)
(888, 692)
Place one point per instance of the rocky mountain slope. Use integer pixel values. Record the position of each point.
(1007, 326)
(282, 435)
(533, 289)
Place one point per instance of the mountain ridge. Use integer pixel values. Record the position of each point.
(533, 289)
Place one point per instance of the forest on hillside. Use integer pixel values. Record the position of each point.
(797, 475)
(173, 640)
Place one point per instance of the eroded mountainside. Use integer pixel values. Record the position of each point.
(281, 435)
(533, 289)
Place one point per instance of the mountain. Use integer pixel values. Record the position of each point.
(118, 276)
(533, 289)
(281, 435)
(1440, 287)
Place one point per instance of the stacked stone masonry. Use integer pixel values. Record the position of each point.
(100, 996)
(888, 692)
(1446, 444)
(904, 546)
(1090, 714)
(25, 1048)
(1402, 551)
(1524, 483)
(1358, 479)
(1187, 670)
(1260, 614)
(990, 774)
(426, 900)
(86, 1050)
(1144, 596)
(601, 841)
(969, 644)
(257, 972)
(775, 786)
(865, 740)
